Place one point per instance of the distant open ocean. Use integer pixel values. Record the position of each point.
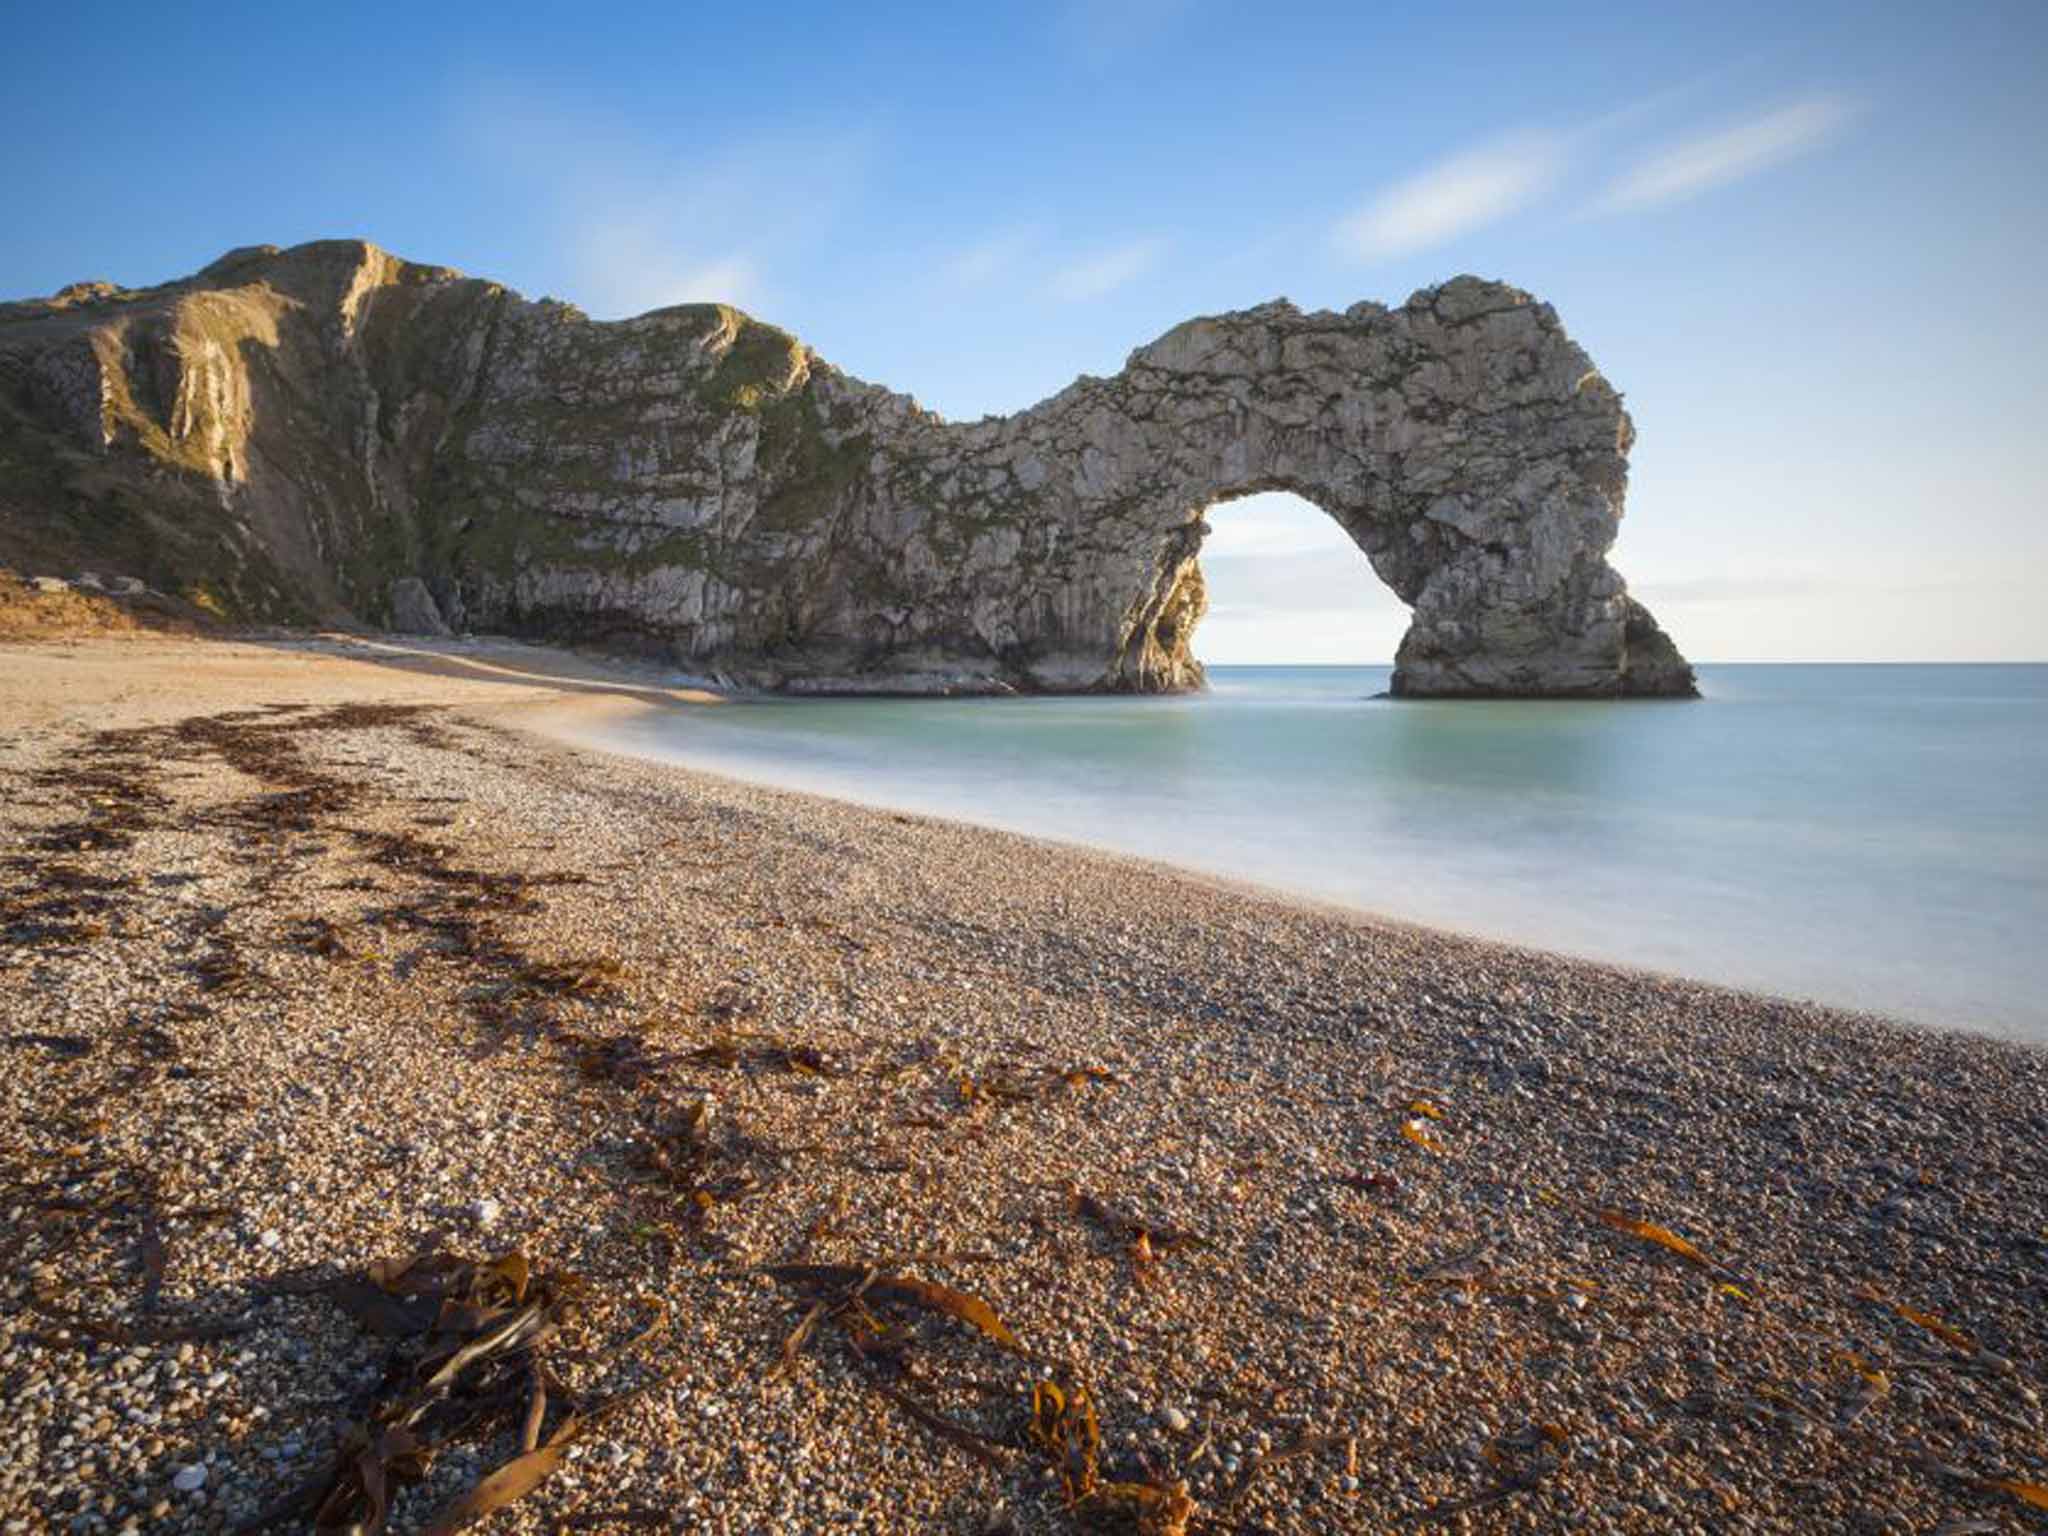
(1870, 836)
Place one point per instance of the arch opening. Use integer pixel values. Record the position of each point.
(1286, 585)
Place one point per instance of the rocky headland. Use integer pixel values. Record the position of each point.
(332, 434)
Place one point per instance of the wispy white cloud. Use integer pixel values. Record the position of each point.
(1239, 540)
(1454, 196)
(1273, 523)
(1295, 581)
(1099, 32)
(1685, 590)
(1689, 590)
(987, 260)
(1484, 185)
(629, 266)
(732, 281)
(631, 223)
(1714, 159)
(978, 264)
(1361, 633)
(1105, 271)
(1286, 584)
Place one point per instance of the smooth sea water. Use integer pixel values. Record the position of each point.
(1870, 836)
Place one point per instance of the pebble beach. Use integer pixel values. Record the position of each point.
(398, 1100)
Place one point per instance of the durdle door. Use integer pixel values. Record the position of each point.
(330, 433)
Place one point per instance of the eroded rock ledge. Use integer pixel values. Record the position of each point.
(330, 432)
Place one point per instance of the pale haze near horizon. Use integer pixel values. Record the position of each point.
(1799, 240)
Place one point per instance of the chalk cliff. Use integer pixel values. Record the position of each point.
(330, 432)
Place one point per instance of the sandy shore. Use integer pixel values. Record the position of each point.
(314, 955)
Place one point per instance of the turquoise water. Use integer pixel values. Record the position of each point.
(1872, 836)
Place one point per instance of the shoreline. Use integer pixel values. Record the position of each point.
(618, 729)
(309, 962)
(578, 725)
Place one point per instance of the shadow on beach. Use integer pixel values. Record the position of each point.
(508, 662)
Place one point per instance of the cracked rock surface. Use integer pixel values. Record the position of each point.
(331, 432)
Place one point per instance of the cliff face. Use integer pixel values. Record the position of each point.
(329, 432)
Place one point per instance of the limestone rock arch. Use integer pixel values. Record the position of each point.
(332, 432)
(1466, 445)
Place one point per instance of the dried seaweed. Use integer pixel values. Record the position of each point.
(226, 974)
(287, 810)
(471, 1335)
(1003, 1087)
(682, 1153)
(65, 1047)
(971, 1310)
(1084, 1077)
(858, 1299)
(1064, 1426)
(793, 1344)
(622, 1060)
(454, 929)
(155, 1256)
(840, 1286)
(408, 854)
(1519, 1463)
(1151, 1509)
(998, 1089)
(972, 1441)
(587, 977)
(804, 1060)
(1952, 1336)
(67, 879)
(57, 903)
(2034, 1495)
(106, 1332)
(511, 1482)
(322, 936)
(1147, 1241)
(723, 1053)
(118, 803)
(1417, 1131)
(729, 1052)
(1305, 1444)
(1663, 1237)
(636, 1514)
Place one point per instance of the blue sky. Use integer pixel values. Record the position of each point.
(1804, 240)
